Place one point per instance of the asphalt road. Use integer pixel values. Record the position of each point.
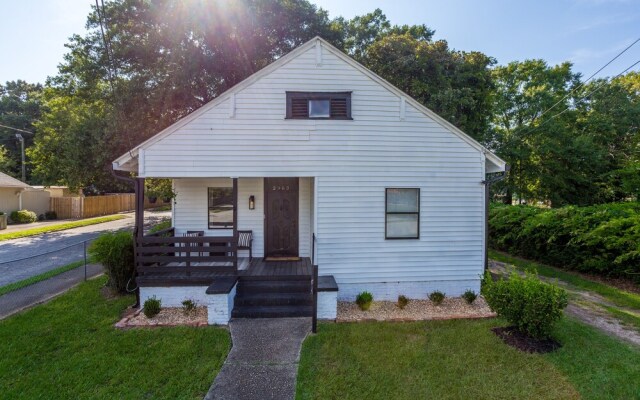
(62, 247)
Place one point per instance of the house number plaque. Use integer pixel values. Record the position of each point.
(281, 188)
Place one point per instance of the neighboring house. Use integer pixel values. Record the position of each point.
(11, 193)
(17, 195)
(60, 191)
(327, 164)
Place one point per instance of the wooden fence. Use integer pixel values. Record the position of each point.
(94, 206)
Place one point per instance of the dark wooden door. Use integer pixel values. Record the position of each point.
(281, 217)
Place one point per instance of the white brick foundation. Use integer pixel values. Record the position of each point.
(413, 290)
(220, 306)
(327, 305)
(173, 296)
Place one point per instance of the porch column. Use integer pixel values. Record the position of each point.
(235, 222)
(139, 217)
(138, 230)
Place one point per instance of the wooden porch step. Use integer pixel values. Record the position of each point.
(272, 311)
(269, 286)
(273, 299)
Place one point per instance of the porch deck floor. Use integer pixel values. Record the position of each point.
(260, 267)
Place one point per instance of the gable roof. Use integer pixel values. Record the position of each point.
(132, 154)
(11, 182)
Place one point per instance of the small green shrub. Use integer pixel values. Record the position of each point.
(188, 306)
(437, 297)
(51, 215)
(402, 301)
(531, 305)
(363, 300)
(41, 217)
(470, 296)
(152, 307)
(115, 252)
(23, 217)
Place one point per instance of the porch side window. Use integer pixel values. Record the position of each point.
(220, 201)
(402, 209)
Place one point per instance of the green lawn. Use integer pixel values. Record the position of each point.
(613, 294)
(58, 227)
(69, 349)
(461, 359)
(43, 276)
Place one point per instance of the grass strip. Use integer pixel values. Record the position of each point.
(59, 227)
(616, 296)
(41, 277)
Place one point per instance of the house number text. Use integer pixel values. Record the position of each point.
(281, 188)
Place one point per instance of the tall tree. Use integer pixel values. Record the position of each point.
(20, 107)
(609, 115)
(523, 92)
(456, 85)
(158, 61)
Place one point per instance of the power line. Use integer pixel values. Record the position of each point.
(16, 129)
(585, 96)
(588, 79)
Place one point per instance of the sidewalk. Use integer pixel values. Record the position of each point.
(40, 292)
(39, 224)
(263, 362)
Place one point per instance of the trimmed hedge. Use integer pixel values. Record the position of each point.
(23, 217)
(602, 239)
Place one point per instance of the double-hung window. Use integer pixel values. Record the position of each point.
(220, 203)
(402, 209)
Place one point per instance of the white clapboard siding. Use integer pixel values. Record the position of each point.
(352, 161)
(191, 208)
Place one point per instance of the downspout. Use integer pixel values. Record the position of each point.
(487, 188)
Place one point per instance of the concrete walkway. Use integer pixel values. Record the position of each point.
(263, 362)
(40, 292)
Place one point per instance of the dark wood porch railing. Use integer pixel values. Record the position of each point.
(162, 252)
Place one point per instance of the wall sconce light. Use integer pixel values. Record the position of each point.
(252, 202)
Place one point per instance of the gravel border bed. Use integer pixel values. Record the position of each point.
(416, 310)
(168, 316)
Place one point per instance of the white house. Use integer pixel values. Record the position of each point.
(326, 164)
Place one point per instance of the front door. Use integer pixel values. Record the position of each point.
(281, 219)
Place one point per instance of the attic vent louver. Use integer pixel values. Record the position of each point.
(339, 104)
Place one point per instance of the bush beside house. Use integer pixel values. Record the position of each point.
(115, 251)
(531, 305)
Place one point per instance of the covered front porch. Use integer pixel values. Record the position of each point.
(243, 246)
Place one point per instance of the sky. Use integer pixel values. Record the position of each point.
(588, 33)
